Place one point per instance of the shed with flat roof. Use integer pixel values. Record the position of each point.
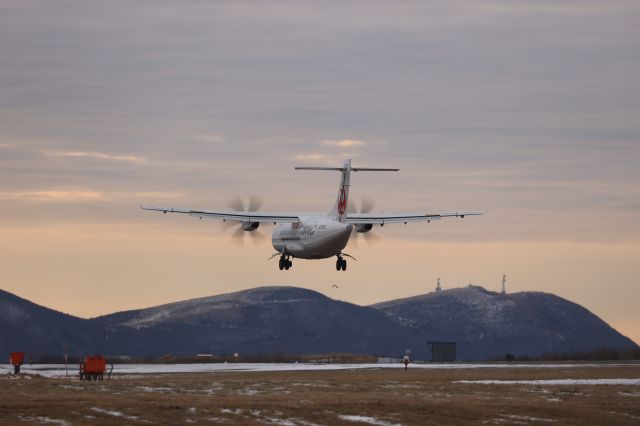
(442, 351)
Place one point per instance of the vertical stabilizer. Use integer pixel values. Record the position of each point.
(339, 210)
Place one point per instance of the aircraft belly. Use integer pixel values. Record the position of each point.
(324, 247)
(320, 245)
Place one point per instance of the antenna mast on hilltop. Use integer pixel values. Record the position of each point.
(504, 282)
(438, 288)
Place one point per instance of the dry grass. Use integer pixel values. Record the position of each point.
(415, 397)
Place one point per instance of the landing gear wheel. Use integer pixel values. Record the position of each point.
(338, 264)
(284, 263)
(341, 264)
(344, 265)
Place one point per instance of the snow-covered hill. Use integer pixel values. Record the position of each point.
(486, 324)
(261, 320)
(294, 320)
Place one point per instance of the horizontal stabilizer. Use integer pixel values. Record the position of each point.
(319, 168)
(370, 169)
(353, 169)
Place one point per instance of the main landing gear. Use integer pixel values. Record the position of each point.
(285, 263)
(341, 263)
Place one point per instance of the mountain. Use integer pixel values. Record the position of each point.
(24, 324)
(486, 324)
(298, 321)
(262, 320)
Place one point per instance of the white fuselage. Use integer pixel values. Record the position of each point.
(314, 237)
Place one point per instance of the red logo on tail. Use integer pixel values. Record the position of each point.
(342, 202)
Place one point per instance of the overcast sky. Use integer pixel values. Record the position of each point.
(529, 110)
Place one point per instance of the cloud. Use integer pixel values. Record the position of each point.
(313, 157)
(344, 143)
(76, 195)
(159, 194)
(14, 144)
(210, 137)
(99, 155)
(84, 195)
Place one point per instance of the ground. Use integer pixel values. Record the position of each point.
(388, 396)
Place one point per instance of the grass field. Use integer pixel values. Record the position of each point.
(348, 397)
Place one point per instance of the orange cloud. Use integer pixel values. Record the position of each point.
(53, 195)
(344, 143)
(99, 155)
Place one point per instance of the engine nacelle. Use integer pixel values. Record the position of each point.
(364, 227)
(250, 226)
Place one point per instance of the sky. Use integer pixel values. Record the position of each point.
(529, 110)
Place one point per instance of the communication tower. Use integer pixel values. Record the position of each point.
(438, 288)
(504, 282)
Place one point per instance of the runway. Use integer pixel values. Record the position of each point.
(59, 370)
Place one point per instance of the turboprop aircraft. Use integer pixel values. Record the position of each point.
(315, 236)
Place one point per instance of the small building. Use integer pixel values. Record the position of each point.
(388, 360)
(442, 351)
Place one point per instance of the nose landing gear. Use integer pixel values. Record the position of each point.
(284, 263)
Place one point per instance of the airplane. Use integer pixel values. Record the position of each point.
(317, 235)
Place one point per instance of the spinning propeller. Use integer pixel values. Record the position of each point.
(363, 230)
(244, 228)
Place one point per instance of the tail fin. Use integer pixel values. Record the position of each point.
(339, 210)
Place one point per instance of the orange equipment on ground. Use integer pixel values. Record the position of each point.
(93, 368)
(16, 360)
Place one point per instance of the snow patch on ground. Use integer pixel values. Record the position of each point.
(71, 387)
(237, 411)
(526, 418)
(272, 420)
(630, 382)
(44, 419)
(302, 422)
(366, 419)
(161, 389)
(538, 390)
(113, 413)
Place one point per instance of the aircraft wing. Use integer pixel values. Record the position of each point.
(382, 218)
(231, 215)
